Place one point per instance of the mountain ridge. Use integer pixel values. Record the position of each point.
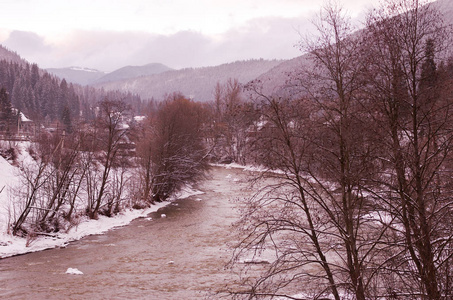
(133, 71)
(196, 83)
(78, 75)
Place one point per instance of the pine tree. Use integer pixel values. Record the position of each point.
(6, 111)
(429, 75)
(66, 119)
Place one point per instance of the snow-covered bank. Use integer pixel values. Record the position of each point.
(251, 168)
(11, 245)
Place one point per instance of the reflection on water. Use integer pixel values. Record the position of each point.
(181, 256)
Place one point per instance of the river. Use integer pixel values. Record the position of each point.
(180, 256)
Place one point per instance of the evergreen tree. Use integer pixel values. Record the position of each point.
(66, 119)
(6, 111)
(34, 75)
(429, 75)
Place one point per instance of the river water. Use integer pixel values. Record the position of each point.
(182, 256)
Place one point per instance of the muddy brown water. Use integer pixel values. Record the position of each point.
(182, 256)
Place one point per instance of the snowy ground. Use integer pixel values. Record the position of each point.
(11, 245)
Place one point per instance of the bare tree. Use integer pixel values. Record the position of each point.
(281, 215)
(118, 187)
(232, 118)
(65, 169)
(50, 183)
(81, 168)
(325, 148)
(172, 150)
(416, 135)
(146, 167)
(35, 176)
(334, 86)
(111, 132)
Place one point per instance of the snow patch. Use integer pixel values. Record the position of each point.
(85, 69)
(380, 217)
(231, 178)
(186, 192)
(74, 271)
(23, 118)
(139, 118)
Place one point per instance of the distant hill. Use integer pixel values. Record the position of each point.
(197, 83)
(275, 80)
(77, 75)
(85, 76)
(133, 72)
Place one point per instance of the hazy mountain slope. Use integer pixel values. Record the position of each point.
(77, 75)
(196, 83)
(9, 55)
(446, 8)
(133, 71)
(277, 78)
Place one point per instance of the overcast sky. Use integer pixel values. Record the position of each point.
(109, 34)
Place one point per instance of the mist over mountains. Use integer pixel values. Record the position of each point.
(155, 80)
(86, 76)
(195, 83)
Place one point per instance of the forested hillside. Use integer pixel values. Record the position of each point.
(9, 55)
(129, 72)
(77, 75)
(196, 83)
(86, 76)
(46, 98)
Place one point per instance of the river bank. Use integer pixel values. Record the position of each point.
(11, 181)
(180, 256)
(12, 245)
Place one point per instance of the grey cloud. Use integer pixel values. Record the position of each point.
(183, 49)
(266, 38)
(26, 43)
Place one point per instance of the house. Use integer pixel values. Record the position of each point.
(25, 127)
(20, 128)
